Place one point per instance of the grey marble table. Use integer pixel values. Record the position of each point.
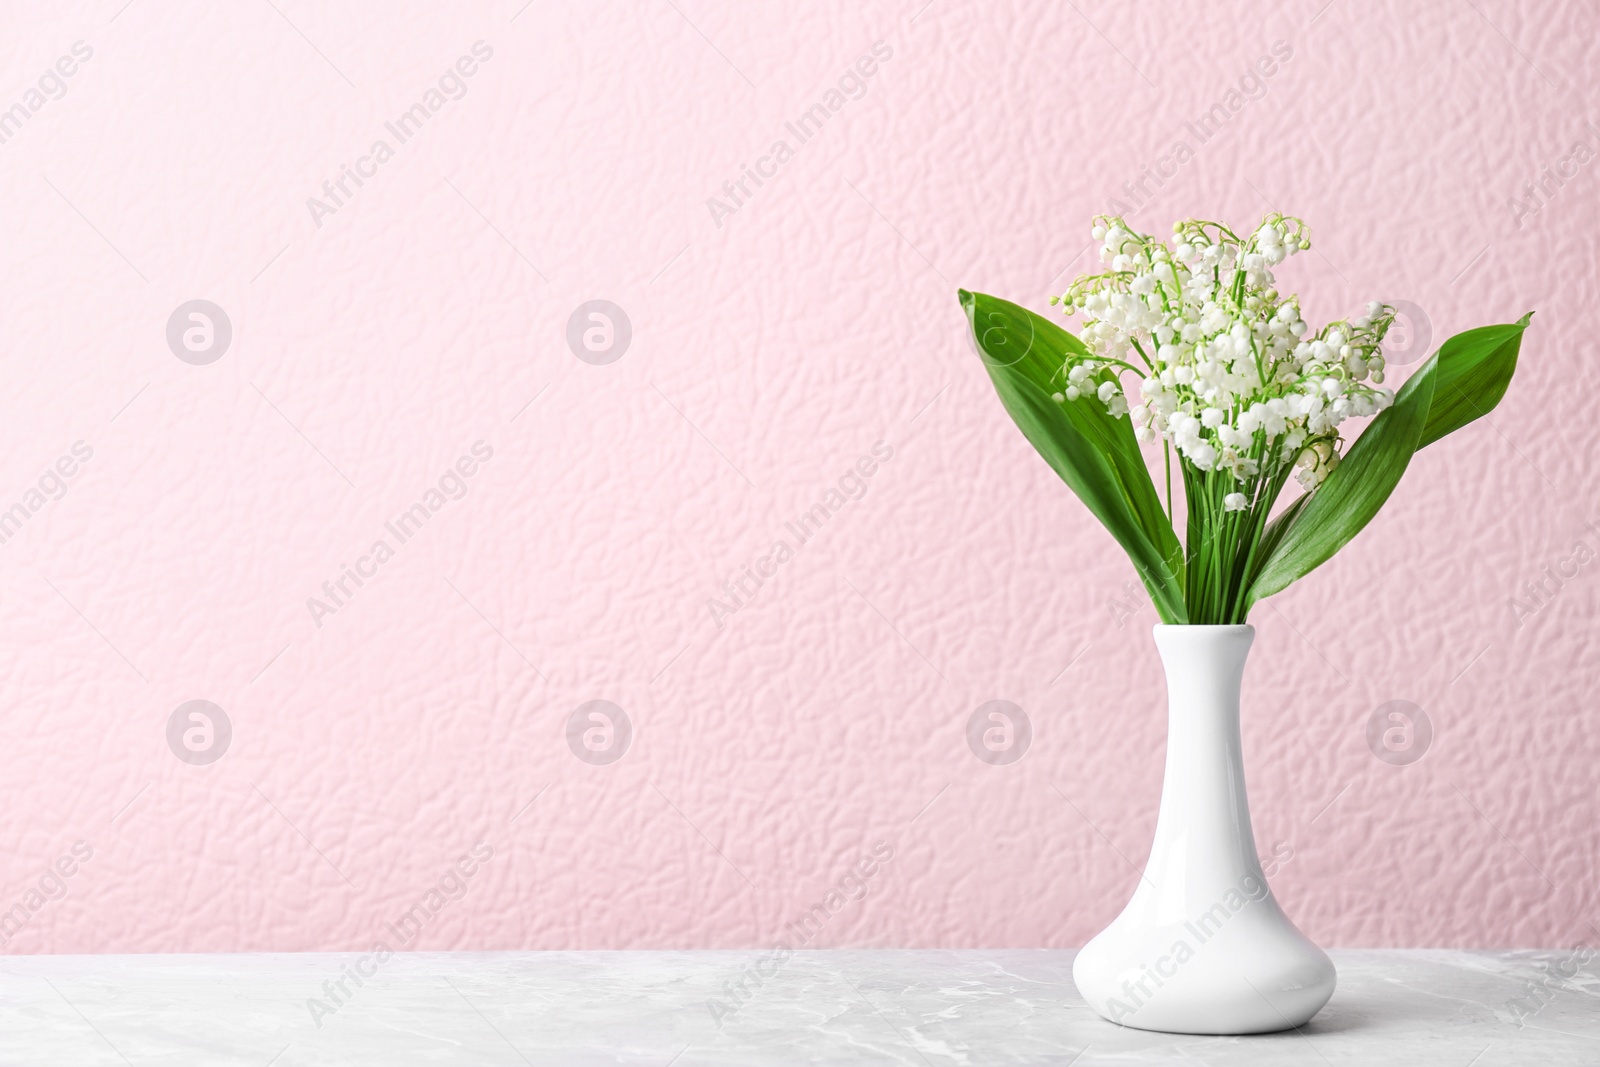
(922, 1008)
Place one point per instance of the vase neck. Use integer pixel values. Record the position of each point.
(1205, 670)
(1204, 810)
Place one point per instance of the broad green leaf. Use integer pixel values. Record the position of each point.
(1463, 381)
(1273, 534)
(1343, 504)
(1474, 369)
(1094, 453)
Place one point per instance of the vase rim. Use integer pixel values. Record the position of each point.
(1203, 626)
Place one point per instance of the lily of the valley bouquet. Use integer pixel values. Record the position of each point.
(1190, 345)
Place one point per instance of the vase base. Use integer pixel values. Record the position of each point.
(1258, 974)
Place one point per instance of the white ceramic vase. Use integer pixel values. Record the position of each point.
(1203, 948)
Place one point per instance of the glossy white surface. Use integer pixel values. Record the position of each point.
(916, 1008)
(1203, 947)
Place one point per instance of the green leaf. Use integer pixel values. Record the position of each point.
(1273, 534)
(1094, 452)
(1474, 369)
(1352, 494)
(1463, 381)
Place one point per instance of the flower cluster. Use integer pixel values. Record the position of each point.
(1229, 373)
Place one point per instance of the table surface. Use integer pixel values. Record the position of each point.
(919, 1008)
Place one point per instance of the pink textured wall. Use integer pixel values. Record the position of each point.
(775, 342)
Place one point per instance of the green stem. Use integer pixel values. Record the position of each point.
(1139, 349)
(1166, 455)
